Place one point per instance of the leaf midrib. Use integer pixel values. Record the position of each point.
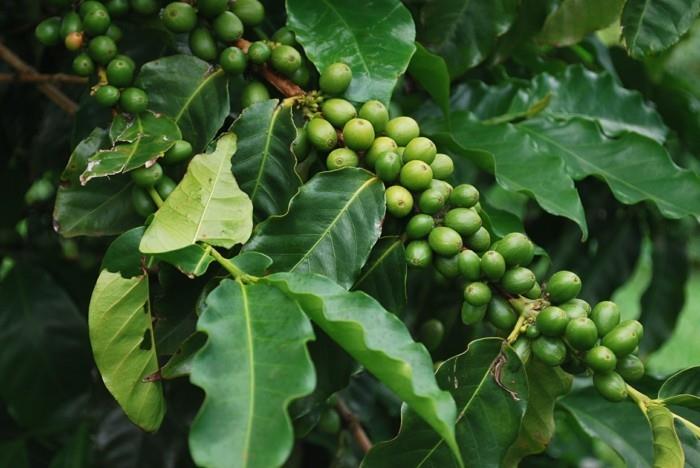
(265, 151)
(251, 366)
(395, 243)
(352, 33)
(196, 92)
(215, 181)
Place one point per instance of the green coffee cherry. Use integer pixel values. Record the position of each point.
(431, 334)
(501, 314)
(96, 22)
(445, 241)
(358, 134)
(301, 144)
(442, 186)
(477, 293)
(338, 111)
(517, 249)
(469, 265)
(611, 385)
(430, 201)
(165, 187)
(142, 202)
(329, 421)
(442, 166)
(416, 175)
(83, 65)
(379, 146)
(421, 149)
(472, 314)
(147, 7)
(551, 351)
(133, 100)
(376, 113)
(518, 280)
(464, 196)
(532, 331)
(465, 221)
(552, 321)
(335, 79)
(419, 254)
(285, 36)
(302, 76)
(342, 157)
(251, 12)
(212, 8)
(624, 338)
(147, 176)
(535, 291)
(493, 266)
(480, 241)
(402, 130)
(388, 166)
(107, 95)
(180, 151)
(322, 135)
(102, 49)
(259, 52)
(601, 359)
(202, 44)
(447, 266)
(48, 31)
(229, 28)
(563, 286)
(179, 17)
(419, 226)
(120, 72)
(71, 23)
(233, 61)
(630, 367)
(90, 5)
(117, 8)
(114, 32)
(581, 333)
(399, 201)
(606, 316)
(576, 308)
(285, 59)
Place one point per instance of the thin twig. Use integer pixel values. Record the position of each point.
(52, 92)
(283, 85)
(354, 425)
(43, 78)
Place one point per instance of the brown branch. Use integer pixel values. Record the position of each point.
(283, 85)
(354, 426)
(52, 92)
(42, 78)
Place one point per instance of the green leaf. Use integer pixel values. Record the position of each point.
(189, 90)
(180, 363)
(207, 205)
(376, 40)
(123, 256)
(254, 363)
(482, 401)
(379, 341)
(545, 385)
(193, 260)
(649, 27)
(75, 453)
(574, 19)
(264, 166)
(430, 71)
(384, 275)
(621, 425)
(45, 358)
(330, 228)
(141, 142)
(14, 453)
(253, 263)
(100, 208)
(121, 334)
(668, 452)
(691, 445)
(682, 388)
(464, 32)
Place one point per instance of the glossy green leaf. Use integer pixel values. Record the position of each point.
(621, 425)
(545, 385)
(574, 19)
(180, 363)
(384, 275)
(38, 372)
(482, 401)
(189, 90)
(144, 139)
(691, 445)
(123, 256)
(253, 263)
(464, 32)
(193, 260)
(207, 205)
(264, 166)
(649, 27)
(376, 41)
(430, 71)
(682, 388)
(100, 208)
(668, 452)
(379, 341)
(121, 334)
(330, 228)
(253, 365)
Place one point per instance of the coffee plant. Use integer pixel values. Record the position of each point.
(430, 233)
